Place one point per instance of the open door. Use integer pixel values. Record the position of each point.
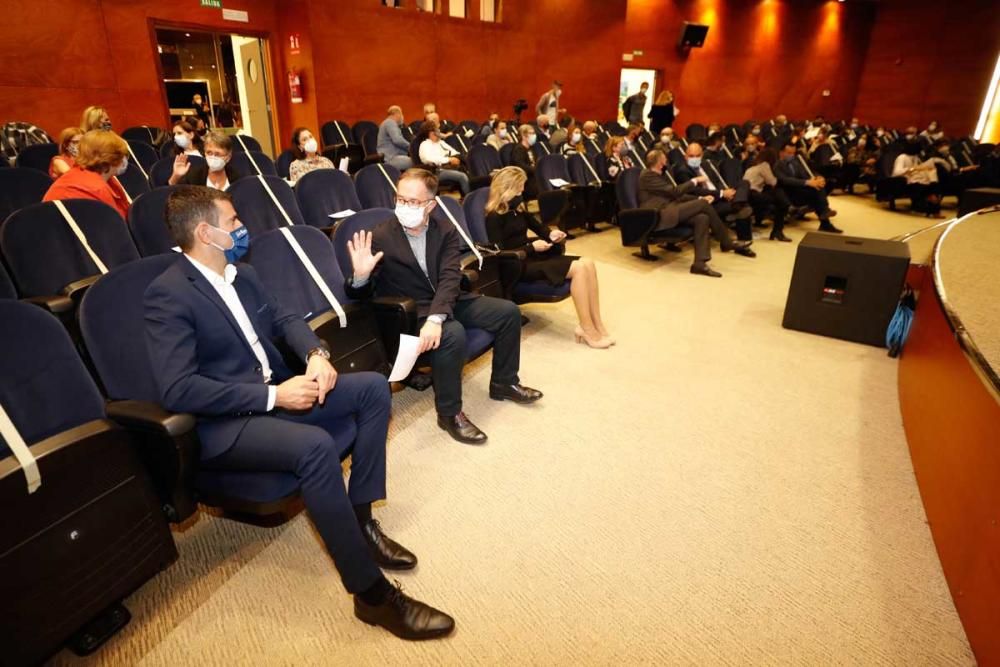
(256, 113)
(630, 81)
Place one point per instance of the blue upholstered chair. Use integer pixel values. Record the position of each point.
(21, 187)
(636, 224)
(147, 219)
(375, 186)
(37, 156)
(323, 192)
(257, 210)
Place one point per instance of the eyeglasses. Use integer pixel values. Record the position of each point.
(412, 203)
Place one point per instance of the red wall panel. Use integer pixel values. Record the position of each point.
(929, 61)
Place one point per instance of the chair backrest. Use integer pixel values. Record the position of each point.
(114, 329)
(284, 162)
(45, 256)
(475, 214)
(148, 221)
(243, 164)
(627, 188)
(483, 160)
(460, 144)
(167, 149)
(696, 131)
(44, 386)
(550, 167)
(37, 156)
(159, 175)
(19, 188)
(286, 277)
(465, 125)
(244, 142)
(140, 133)
(505, 152)
(336, 133)
(415, 126)
(579, 172)
(374, 190)
(369, 142)
(144, 153)
(732, 171)
(455, 208)
(134, 181)
(362, 129)
(7, 289)
(365, 220)
(325, 191)
(601, 165)
(256, 209)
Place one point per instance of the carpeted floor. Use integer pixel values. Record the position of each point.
(714, 490)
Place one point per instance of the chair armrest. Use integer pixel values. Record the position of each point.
(635, 224)
(57, 304)
(469, 279)
(76, 289)
(395, 315)
(552, 204)
(168, 445)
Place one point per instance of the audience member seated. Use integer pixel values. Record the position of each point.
(95, 118)
(507, 225)
(438, 154)
(69, 148)
(102, 156)
(865, 154)
(574, 141)
(186, 140)
(617, 157)
(500, 135)
(545, 128)
(953, 178)
(590, 130)
(433, 117)
(803, 189)
(489, 127)
(307, 157)
(524, 158)
(561, 133)
(766, 196)
(634, 105)
(662, 112)
(632, 147)
(210, 332)
(714, 147)
(668, 141)
(677, 206)
(933, 132)
(748, 154)
(829, 160)
(411, 255)
(216, 172)
(922, 185)
(395, 149)
(732, 204)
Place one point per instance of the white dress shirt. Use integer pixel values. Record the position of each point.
(224, 286)
(222, 188)
(437, 153)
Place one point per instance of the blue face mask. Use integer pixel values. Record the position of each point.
(241, 243)
(694, 162)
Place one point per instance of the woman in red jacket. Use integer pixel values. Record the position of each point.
(102, 156)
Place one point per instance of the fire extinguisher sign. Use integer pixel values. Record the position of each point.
(293, 44)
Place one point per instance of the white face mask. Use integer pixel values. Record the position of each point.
(532, 138)
(215, 163)
(576, 137)
(182, 141)
(665, 138)
(411, 218)
(73, 149)
(310, 146)
(122, 168)
(503, 134)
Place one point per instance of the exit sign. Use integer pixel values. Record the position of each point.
(212, 3)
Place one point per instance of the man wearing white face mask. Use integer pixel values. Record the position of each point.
(215, 172)
(412, 255)
(101, 157)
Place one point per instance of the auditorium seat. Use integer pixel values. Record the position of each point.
(20, 187)
(356, 347)
(37, 157)
(889, 188)
(637, 224)
(144, 154)
(336, 133)
(142, 133)
(148, 223)
(376, 186)
(564, 206)
(160, 174)
(600, 203)
(253, 163)
(522, 291)
(256, 208)
(484, 279)
(93, 531)
(46, 258)
(284, 162)
(696, 132)
(244, 142)
(323, 192)
(134, 180)
(113, 326)
(505, 153)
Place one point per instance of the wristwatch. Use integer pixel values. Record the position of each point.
(321, 351)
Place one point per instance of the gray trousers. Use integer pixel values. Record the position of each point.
(705, 222)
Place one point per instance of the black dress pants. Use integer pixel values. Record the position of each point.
(705, 222)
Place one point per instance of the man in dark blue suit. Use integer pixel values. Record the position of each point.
(210, 328)
(804, 188)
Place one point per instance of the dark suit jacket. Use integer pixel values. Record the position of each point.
(791, 173)
(198, 174)
(656, 191)
(520, 157)
(202, 361)
(399, 275)
(683, 174)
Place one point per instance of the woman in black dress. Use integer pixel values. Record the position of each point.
(507, 225)
(662, 113)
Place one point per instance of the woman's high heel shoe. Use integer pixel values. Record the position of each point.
(606, 336)
(596, 343)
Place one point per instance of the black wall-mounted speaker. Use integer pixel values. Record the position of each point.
(692, 35)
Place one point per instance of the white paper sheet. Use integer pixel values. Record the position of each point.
(346, 213)
(558, 182)
(343, 164)
(405, 357)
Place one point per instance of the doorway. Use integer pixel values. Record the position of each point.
(631, 80)
(227, 72)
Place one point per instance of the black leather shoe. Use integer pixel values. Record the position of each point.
(704, 270)
(388, 554)
(514, 392)
(828, 227)
(779, 236)
(745, 251)
(460, 428)
(405, 617)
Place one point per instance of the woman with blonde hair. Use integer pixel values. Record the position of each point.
(102, 156)
(663, 112)
(507, 224)
(69, 147)
(616, 157)
(95, 118)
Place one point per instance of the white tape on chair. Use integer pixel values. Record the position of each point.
(341, 133)
(21, 452)
(249, 157)
(389, 180)
(314, 274)
(721, 179)
(590, 167)
(277, 203)
(808, 170)
(468, 241)
(80, 236)
(137, 163)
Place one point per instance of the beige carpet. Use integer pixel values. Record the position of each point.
(715, 490)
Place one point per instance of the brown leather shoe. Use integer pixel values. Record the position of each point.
(514, 392)
(460, 428)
